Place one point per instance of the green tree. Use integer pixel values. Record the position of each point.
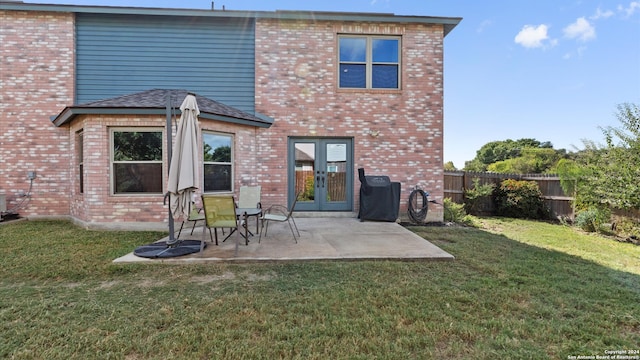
(570, 173)
(448, 166)
(502, 150)
(532, 161)
(611, 171)
(474, 165)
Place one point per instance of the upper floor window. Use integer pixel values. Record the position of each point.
(136, 159)
(218, 162)
(369, 62)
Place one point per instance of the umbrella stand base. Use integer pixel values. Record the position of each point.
(173, 242)
(163, 250)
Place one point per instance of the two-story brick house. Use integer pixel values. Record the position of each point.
(84, 92)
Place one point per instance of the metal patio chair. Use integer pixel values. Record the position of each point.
(220, 213)
(280, 213)
(195, 215)
(249, 203)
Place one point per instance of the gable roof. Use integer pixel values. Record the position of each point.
(155, 102)
(303, 156)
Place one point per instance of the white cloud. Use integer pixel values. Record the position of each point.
(631, 9)
(533, 36)
(581, 29)
(601, 14)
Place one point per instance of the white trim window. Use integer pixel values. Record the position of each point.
(218, 162)
(136, 161)
(369, 62)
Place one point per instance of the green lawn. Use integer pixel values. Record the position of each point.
(517, 290)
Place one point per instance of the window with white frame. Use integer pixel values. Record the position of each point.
(136, 161)
(218, 162)
(369, 62)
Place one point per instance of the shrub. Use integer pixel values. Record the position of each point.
(520, 199)
(626, 227)
(453, 212)
(473, 197)
(309, 188)
(592, 219)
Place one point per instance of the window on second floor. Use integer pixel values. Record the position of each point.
(136, 159)
(369, 62)
(218, 162)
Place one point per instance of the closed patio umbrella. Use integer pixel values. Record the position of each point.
(182, 181)
(183, 168)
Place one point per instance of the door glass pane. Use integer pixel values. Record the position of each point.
(336, 172)
(305, 158)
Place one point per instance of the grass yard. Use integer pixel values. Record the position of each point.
(517, 290)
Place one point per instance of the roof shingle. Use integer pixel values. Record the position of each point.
(155, 102)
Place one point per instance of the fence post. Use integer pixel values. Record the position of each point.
(464, 184)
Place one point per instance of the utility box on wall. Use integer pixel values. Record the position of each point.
(3, 202)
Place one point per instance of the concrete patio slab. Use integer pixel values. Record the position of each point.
(321, 239)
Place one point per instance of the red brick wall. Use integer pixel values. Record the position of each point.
(36, 82)
(296, 84)
(96, 204)
(97, 207)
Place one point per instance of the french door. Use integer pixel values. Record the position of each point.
(321, 169)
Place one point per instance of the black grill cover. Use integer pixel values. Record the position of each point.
(379, 198)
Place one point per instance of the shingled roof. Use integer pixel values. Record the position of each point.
(154, 102)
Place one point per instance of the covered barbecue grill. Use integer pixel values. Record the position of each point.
(379, 198)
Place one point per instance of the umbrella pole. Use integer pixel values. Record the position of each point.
(172, 239)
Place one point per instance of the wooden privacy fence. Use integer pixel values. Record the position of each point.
(335, 184)
(558, 203)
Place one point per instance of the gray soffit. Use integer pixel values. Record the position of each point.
(154, 102)
(448, 22)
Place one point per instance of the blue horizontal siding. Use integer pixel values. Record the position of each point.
(121, 54)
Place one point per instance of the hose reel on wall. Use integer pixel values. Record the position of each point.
(418, 205)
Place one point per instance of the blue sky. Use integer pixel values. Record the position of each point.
(552, 70)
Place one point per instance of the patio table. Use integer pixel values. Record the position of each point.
(247, 212)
